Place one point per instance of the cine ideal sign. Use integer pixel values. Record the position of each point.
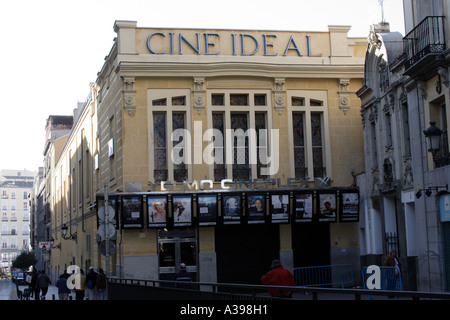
(229, 43)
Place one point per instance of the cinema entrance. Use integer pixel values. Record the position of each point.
(174, 247)
(245, 252)
(311, 244)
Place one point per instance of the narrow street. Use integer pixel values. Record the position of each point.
(7, 290)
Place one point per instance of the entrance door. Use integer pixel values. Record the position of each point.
(245, 252)
(176, 247)
(311, 244)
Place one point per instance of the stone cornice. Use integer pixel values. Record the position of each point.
(203, 69)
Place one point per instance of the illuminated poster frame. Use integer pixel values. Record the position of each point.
(231, 208)
(132, 213)
(256, 208)
(280, 207)
(157, 211)
(303, 206)
(182, 210)
(327, 204)
(207, 209)
(349, 206)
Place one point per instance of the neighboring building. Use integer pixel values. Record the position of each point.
(404, 189)
(15, 187)
(299, 85)
(427, 57)
(37, 225)
(386, 186)
(58, 129)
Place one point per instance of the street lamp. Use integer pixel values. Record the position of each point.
(52, 241)
(64, 229)
(433, 137)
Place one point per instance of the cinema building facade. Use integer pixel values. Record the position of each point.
(222, 149)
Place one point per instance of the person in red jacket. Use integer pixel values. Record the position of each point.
(279, 276)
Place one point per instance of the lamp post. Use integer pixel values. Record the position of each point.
(433, 138)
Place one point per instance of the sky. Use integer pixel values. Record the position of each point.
(51, 50)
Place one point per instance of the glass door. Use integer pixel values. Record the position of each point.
(176, 247)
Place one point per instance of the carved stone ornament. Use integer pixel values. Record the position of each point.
(199, 94)
(129, 95)
(344, 101)
(279, 93)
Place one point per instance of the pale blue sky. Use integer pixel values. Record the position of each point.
(52, 49)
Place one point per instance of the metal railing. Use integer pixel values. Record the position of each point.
(324, 275)
(140, 289)
(390, 278)
(426, 38)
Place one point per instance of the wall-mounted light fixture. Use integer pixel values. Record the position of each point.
(58, 246)
(429, 190)
(433, 138)
(72, 236)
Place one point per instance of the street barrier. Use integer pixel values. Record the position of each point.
(324, 275)
(390, 278)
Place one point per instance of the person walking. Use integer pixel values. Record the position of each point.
(33, 286)
(61, 284)
(79, 292)
(279, 276)
(393, 274)
(43, 282)
(91, 281)
(101, 285)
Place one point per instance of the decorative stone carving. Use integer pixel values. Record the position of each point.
(344, 101)
(199, 94)
(129, 95)
(279, 94)
(408, 176)
(422, 89)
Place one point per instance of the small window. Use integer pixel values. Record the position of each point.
(159, 102)
(298, 102)
(179, 101)
(218, 99)
(260, 100)
(239, 99)
(315, 103)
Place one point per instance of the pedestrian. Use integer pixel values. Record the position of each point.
(392, 276)
(33, 285)
(279, 276)
(61, 284)
(101, 285)
(183, 275)
(79, 292)
(43, 282)
(91, 281)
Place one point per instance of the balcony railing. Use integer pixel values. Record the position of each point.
(428, 37)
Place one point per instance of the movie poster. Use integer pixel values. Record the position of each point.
(157, 211)
(132, 214)
(303, 207)
(182, 210)
(207, 209)
(231, 208)
(327, 207)
(256, 208)
(279, 205)
(349, 207)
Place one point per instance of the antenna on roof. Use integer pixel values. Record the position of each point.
(381, 2)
